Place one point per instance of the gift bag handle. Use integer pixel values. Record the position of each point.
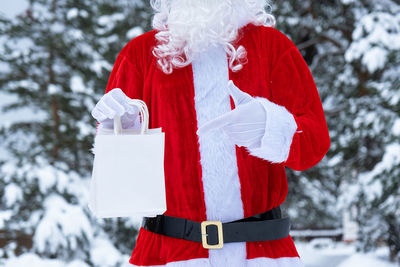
(142, 110)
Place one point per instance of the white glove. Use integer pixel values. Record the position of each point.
(115, 102)
(245, 125)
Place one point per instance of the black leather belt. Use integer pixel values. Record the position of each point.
(213, 234)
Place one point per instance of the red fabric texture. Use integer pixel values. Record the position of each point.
(276, 71)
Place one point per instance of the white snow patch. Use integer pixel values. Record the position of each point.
(107, 22)
(99, 65)
(76, 84)
(103, 253)
(132, 33)
(365, 260)
(83, 13)
(396, 127)
(13, 8)
(374, 59)
(390, 159)
(47, 177)
(12, 194)
(375, 35)
(84, 128)
(340, 254)
(347, 2)
(53, 89)
(61, 226)
(293, 21)
(4, 216)
(72, 13)
(57, 27)
(18, 115)
(337, 159)
(107, 19)
(76, 34)
(33, 260)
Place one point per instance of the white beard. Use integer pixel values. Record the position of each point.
(189, 27)
(200, 24)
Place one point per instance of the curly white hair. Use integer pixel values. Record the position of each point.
(188, 27)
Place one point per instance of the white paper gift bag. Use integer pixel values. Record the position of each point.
(128, 170)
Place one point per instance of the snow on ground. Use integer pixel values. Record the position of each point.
(339, 254)
(321, 253)
(33, 260)
(363, 260)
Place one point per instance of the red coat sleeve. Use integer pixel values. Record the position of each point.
(126, 76)
(293, 87)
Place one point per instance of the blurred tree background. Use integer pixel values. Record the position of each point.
(55, 59)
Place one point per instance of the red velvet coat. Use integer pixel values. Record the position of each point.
(278, 73)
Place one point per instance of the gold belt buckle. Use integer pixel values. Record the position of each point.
(204, 234)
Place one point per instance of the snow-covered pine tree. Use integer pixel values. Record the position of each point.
(56, 58)
(320, 30)
(353, 50)
(373, 134)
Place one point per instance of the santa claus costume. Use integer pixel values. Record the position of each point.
(181, 70)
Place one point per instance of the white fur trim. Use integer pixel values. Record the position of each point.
(279, 131)
(220, 178)
(217, 153)
(257, 262)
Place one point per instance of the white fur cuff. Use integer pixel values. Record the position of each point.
(279, 131)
